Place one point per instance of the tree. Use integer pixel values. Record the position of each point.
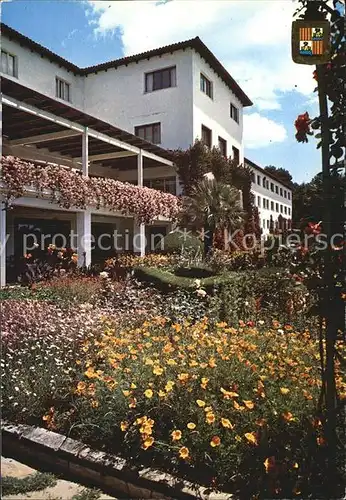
(280, 173)
(213, 206)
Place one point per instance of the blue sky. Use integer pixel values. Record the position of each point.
(251, 39)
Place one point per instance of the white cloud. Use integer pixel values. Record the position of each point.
(252, 39)
(260, 132)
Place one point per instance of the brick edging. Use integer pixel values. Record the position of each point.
(66, 455)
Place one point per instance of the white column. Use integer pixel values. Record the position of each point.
(84, 239)
(139, 230)
(178, 189)
(85, 152)
(3, 241)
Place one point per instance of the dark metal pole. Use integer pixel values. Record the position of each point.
(330, 332)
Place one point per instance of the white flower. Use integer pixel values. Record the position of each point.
(201, 293)
(280, 331)
(103, 275)
(261, 322)
(197, 283)
(246, 303)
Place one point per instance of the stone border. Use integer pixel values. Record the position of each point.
(109, 472)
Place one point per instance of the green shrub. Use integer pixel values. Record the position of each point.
(21, 485)
(177, 242)
(194, 272)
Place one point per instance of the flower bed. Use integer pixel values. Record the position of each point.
(232, 408)
(69, 189)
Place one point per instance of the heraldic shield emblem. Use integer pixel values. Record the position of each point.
(310, 42)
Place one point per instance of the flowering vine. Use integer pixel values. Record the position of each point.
(69, 189)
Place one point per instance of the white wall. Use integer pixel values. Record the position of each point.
(118, 97)
(215, 113)
(262, 192)
(39, 74)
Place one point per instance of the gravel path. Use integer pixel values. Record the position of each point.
(63, 490)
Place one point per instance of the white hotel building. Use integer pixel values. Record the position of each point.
(117, 120)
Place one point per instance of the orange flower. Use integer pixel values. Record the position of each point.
(249, 404)
(176, 435)
(228, 394)
(124, 426)
(149, 441)
(183, 377)
(204, 383)
(184, 452)
(287, 415)
(215, 441)
(251, 437)
(210, 418)
(226, 423)
(269, 463)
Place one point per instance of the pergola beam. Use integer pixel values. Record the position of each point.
(108, 156)
(28, 108)
(44, 137)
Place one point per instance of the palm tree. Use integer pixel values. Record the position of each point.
(213, 205)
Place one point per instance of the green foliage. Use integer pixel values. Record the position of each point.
(34, 482)
(88, 494)
(178, 242)
(280, 173)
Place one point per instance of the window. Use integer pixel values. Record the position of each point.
(268, 224)
(253, 177)
(285, 210)
(206, 86)
(258, 201)
(259, 180)
(151, 132)
(234, 113)
(272, 187)
(236, 155)
(281, 209)
(289, 211)
(264, 223)
(8, 63)
(276, 189)
(62, 89)
(223, 146)
(267, 184)
(206, 136)
(264, 202)
(264, 182)
(271, 205)
(289, 195)
(285, 194)
(161, 79)
(165, 184)
(281, 192)
(277, 207)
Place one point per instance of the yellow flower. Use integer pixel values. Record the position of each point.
(133, 403)
(158, 370)
(295, 465)
(94, 403)
(228, 394)
(149, 441)
(200, 403)
(162, 394)
(284, 390)
(176, 435)
(238, 438)
(226, 423)
(251, 437)
(249, 404)
(149, 361)
(133, 386)
(269, 463)
(126, 393)
(210, 418)
(90, 373)
(183, 377)
(184, 452)
(148, 393)
(191, 426)
(146, 429)
(237, 406)
(171, 362)
(204, 383)
(124, 426)
(212, 363)
(215, 441)
(169, 386)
